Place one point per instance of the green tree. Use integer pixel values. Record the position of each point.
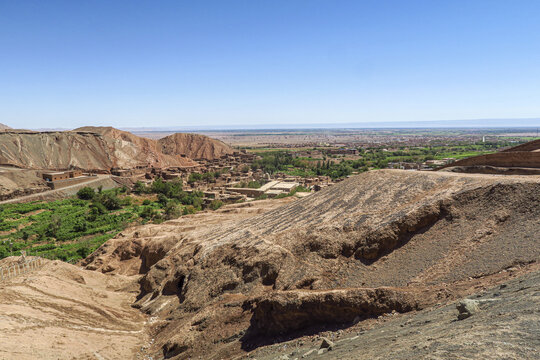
(194, 177)
(158, 186)
(139, 188)
(86, 193)
(111, 201)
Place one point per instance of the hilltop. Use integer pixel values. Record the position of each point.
(4, 127)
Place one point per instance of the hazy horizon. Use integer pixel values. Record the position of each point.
(442, 124)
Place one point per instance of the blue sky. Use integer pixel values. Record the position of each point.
(219, 63)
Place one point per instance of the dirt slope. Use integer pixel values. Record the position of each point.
(17, 182)
(521, 158)
(64, 312)
(4, 127)
(194, 146)
(529, 146)
(406, 240)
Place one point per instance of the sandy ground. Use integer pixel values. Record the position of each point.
(63, 312)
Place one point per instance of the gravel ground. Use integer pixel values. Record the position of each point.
(506, 326)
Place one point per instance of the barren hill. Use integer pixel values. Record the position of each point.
(86, 149)
(194, 146)
(51, 150)
(130, 150)
(379, 242)
(4, 127)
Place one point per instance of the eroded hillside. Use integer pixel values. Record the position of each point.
(128, 150)
(194, 146)
(379, 242)
(89, 148)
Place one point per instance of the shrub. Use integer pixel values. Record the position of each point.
(158, 219)
(86, 193)
(216, 204)
(162, 199)
(111, 201)
(126, 201)
(208, 176)
(146, 202)
(84, 251)
(97, 208)
(189, 210)
(194, 177)
(80, 226)
(148, 212)
(172, 211)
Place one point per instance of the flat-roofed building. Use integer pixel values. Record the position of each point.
(55, 176)
(61, 175)
(285, 186)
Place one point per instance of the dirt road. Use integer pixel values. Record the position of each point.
(105, 180)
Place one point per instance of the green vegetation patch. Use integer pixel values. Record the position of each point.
(71, 229)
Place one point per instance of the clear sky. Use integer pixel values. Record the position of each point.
(226, 62)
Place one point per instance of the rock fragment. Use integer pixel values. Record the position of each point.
(467, 308)
(326, 344)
